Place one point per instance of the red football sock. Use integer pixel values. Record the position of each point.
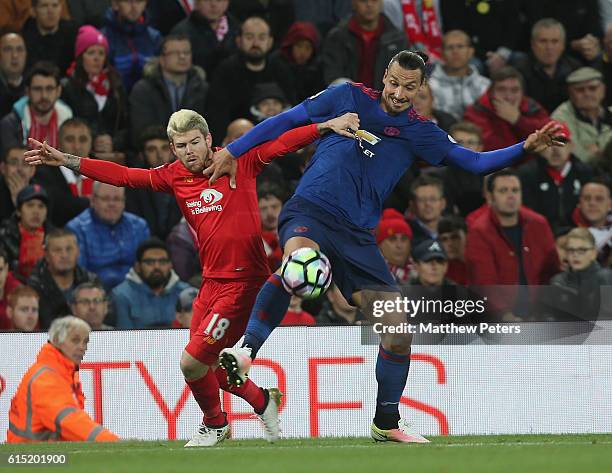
(206, 393)
(249, 391)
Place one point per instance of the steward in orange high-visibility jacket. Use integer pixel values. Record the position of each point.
(49, 402)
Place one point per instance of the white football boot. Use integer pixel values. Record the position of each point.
(403, 434)
(237, 362)
(269, 417)
(209, 436)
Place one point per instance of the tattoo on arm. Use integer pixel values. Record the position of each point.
(72, 162)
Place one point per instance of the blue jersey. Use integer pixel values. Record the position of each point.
(352, 178)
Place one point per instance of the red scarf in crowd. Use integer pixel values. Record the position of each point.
(30, 249)
(99, 84)
(425, 33)
(40, 132)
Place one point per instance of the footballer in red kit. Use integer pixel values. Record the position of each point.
(225, 218)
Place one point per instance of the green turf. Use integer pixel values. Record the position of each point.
(510, 453)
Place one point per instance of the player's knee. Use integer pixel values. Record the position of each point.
(191, 368)
(398, 344)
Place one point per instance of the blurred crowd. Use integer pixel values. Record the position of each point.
(100, 78)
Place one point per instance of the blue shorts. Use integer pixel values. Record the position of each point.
(356, 261)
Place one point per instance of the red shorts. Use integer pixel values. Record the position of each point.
(220, 315)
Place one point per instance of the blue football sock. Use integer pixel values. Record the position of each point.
(391, 375)
(270, 307)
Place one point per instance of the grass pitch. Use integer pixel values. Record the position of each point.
(469, 454)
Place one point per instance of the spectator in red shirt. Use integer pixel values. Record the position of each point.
(509, 245)
(270, 199)
(451, 234)
(504, 113)
(8, 282)
(296, 315)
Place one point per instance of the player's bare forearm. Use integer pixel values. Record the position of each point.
(72, 162)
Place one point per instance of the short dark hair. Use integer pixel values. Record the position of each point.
(173, 37)
(59, 232)
(507, 72)
(153, 132)
(270, 189)
(411, 60)
(45, 69)
(6, 151)
(87, 285)
(150, 244)
(466, 127)
(451, 223)
(426, 180)
(75, 122)
(600, 180)
(508, 172)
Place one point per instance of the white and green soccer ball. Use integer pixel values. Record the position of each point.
(306, 273)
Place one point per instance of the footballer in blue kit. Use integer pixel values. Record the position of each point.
(338, 203)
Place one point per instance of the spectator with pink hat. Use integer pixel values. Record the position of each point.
(95, 92)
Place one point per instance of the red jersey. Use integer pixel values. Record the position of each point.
(225, 220)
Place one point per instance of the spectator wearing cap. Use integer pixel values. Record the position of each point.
(57, 274)
(509, 245)
(451, 235)
(90, 303)
(23, 234)
(594, 211)
(361, 46)
(94, 91)
(148, 295)
(12, 67)
(552, 181)
(299, 50)
(168, 84)
(8, 282)
(546, 67)
(48, 36)
(296, 315)
(504, 113)
(131, 39)
(15, 174)
(589, 121)
(235, 78)
(426, 205)
(213, 29)
(22, 309)
(108, 236)
(455, 82)
(38, 114)
(393, 237)
(430, 264)
(160, 210)
(268, 100)
(184, 308)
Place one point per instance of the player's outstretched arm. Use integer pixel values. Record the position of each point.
(490, 161)
(297, 138)
(103, 171)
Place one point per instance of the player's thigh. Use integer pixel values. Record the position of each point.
(384, 307)
(225, 320)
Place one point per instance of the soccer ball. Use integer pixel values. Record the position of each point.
(306, 273)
